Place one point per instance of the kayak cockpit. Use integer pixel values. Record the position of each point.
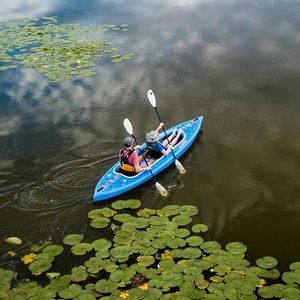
(150, 159)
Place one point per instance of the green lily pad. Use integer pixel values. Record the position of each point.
(73, 239)
(79, 274)
(145, 261)
(86, 295)
(148, 251)
(247, 288)
(120, 252)
(191, 252)
(121, 275)
(133, 203)
(291, 293)
(231, 292)
(210, 246)
(13, 240)
(188, 210)
(182, 220)
(236, 248)
(53, 250)
(295, 266)
(267, 262)
(100, 222)
(272, 274)
(146, 212)
(105, 286)
(160, 243)
(123, 204)
(169, 210)
(137, 294)
(103, 254)
(107, 212)
(70, 292)
(194, 240)
(291, 277)
(59, 283)
(6, 277)
(176, 242)
(181, 232)
(158, 221)
(101, 244)
(202, 284)
(269, 292)
(177, 253)
(44, 256)
(222, 269)
(52, 275)
(129, 226)
(81, 249)
(199, 228)
(141, 222)
(119, 204)
(172, 279)
(123, 218)
(89, 286)
(40, 266)
(96, 213)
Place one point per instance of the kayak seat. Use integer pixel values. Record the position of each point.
(126, 173)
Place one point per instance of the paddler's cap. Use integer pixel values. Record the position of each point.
(128, 141)
(152, 136)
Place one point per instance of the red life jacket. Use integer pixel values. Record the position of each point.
(124, 160)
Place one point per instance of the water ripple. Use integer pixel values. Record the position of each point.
(65, 185)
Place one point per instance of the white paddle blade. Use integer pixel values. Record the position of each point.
(179, 166)
(128, 126)
(151, 98)
(161, 189)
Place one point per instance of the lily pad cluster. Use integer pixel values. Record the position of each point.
(153, 254)
(59, 51)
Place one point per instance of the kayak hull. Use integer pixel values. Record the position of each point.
(113, 183)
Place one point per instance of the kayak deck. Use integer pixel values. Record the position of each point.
(114, 183)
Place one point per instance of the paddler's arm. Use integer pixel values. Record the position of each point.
(160, 126)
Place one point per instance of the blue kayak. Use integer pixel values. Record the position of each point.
(114, 183)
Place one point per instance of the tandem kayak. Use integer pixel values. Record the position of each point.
(114, 183)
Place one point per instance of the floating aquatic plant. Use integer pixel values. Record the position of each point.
(153, 254)
(59, 51)
(13, 240)
(73, 239)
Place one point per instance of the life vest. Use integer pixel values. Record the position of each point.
(124, 161)
(152, 150)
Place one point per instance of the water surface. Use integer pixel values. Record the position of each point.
(235, 62)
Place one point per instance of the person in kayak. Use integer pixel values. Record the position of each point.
(130, 157)
(155, 148)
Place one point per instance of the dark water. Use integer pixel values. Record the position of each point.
(235, 62)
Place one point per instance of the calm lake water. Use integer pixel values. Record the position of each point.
(235, 62)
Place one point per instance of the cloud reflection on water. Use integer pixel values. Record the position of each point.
(238, 64)
(25, 9)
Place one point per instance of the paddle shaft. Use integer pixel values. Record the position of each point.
(159, 118)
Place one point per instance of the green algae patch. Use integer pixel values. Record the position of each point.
(59, 51)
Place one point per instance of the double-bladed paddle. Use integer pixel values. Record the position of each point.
(152, 101)
(129, 129)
